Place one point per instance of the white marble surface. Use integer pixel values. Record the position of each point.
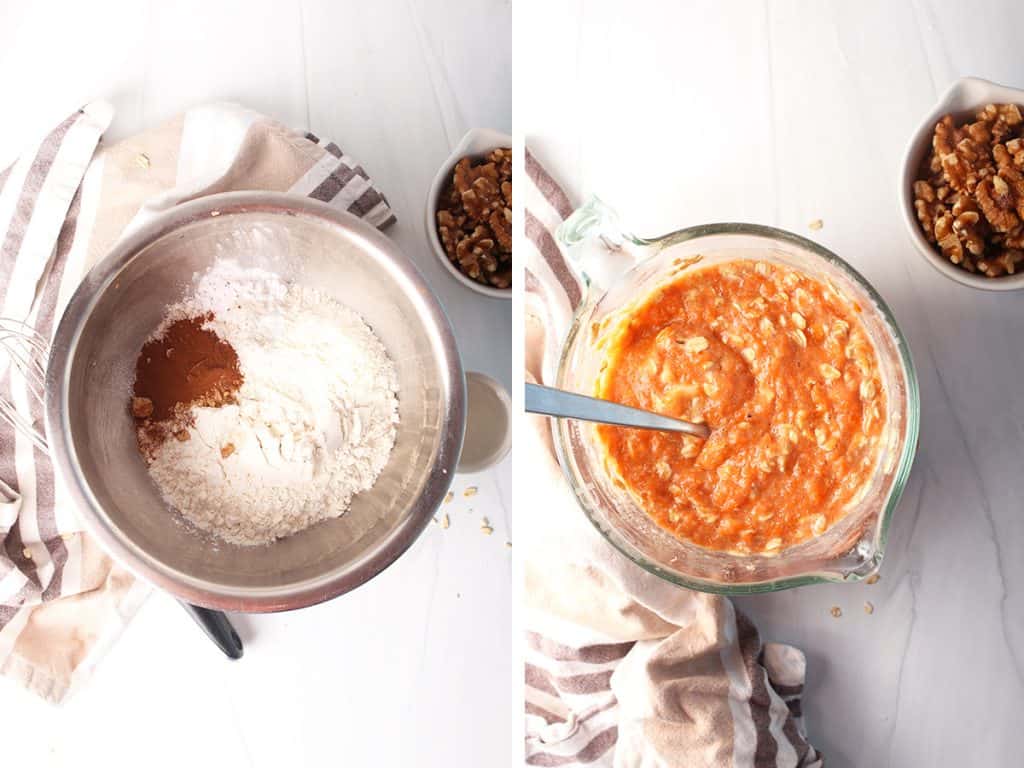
(785, 112)
(419, 667)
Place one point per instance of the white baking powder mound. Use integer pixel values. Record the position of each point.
(315, 419)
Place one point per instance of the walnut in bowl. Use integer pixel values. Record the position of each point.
(469, 213)
(962, 185)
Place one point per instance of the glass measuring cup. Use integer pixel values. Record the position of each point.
(620, 270)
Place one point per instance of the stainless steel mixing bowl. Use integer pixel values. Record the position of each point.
(121, 301)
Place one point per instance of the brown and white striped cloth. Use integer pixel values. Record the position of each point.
(63, 204)
(622, 668)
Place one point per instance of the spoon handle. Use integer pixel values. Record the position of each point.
(569, 405)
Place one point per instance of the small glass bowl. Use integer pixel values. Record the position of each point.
(628, 269)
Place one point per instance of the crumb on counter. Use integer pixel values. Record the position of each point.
(836, 611)
(869, 608)
(872, 579)
(471, 491)
(816, 225)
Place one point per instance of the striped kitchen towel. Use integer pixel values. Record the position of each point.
(623, 668)
(63, 204)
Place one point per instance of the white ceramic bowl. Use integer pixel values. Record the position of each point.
(477, 143)
(962, 99)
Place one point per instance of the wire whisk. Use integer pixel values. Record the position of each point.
(24, 348)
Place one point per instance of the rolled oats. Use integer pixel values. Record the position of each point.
(696, 345)
(789, 447)
(829, 372)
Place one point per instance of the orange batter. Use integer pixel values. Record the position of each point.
(779, 366)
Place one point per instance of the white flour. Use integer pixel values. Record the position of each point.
(315, 419)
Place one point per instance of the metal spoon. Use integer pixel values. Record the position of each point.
(569, 405)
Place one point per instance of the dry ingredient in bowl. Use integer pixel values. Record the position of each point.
(263, 407)
(188, 365)
(779, 366)
(969, 193)
(474, 219)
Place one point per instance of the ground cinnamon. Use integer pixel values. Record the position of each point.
(187, 365)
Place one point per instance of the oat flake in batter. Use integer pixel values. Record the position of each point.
(312, 424)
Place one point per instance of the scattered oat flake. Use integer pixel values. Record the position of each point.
(836, 611)
(142, 160)
(869, 608)
(872, 579)
(448, 497)
(445, 522)
(816, 224)
(471, 491)
(215, 213)
(27, 553)
(485, 526)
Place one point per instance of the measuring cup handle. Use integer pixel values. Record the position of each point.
(598, 247)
